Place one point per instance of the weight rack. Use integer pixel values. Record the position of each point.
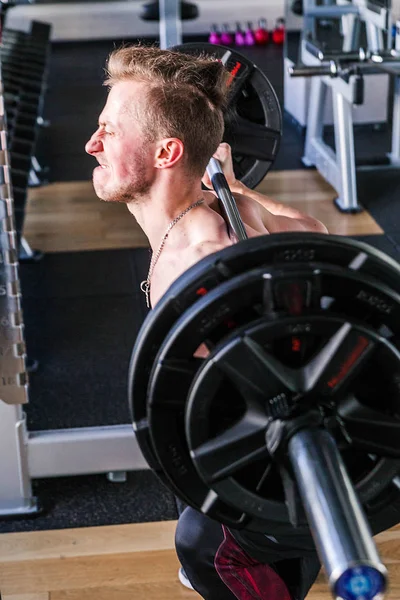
(25, 58)
(17, 493)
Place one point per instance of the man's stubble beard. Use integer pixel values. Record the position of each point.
(134, 192)
(137, 190)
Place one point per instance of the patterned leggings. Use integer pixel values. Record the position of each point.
(220, 569)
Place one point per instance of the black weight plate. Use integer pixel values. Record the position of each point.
(212, 317)
(284, 248)
(226, 439)
(253, 121)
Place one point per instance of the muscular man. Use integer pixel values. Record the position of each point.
(162, 122)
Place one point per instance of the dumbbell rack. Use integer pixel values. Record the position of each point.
(25, 58)
(18, 497)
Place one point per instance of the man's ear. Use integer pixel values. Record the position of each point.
(169, 152)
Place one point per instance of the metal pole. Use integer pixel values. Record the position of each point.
(374, 37)
(338, 525)
(227, 201)
(170, 23)
(345, 155)
(315, 119)
(395, 153)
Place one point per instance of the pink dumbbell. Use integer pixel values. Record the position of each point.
(214, 37)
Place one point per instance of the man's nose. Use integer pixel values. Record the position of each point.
(94, 144)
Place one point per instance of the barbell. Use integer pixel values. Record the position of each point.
(298, 326)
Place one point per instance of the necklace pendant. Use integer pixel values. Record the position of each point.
(145, 287)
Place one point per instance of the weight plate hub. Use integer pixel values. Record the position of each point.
(278, 371)
(283, 249)
(253, 120)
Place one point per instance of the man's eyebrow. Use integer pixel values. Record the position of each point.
(105, 122)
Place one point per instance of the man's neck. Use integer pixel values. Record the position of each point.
(155, 213)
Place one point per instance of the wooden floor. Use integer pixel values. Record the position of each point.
(123, 562)
(136, 561)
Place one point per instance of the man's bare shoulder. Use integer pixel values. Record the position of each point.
(203, 249)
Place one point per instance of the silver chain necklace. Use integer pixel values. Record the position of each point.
(145, 285)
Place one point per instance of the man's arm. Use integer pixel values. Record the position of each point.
(275, 215)
(278, 218)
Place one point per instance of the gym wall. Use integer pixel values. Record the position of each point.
(108, 20)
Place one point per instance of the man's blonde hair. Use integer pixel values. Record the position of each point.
(185, 97)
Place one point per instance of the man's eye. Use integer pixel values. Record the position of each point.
(109, 132)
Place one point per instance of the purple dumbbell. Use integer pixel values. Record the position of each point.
(240, 38)
(249, 35)
(214, 37)
(227, 38)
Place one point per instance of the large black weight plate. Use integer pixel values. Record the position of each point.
(282, 369)
(284, 248)
(253, 121)
(211, 319)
